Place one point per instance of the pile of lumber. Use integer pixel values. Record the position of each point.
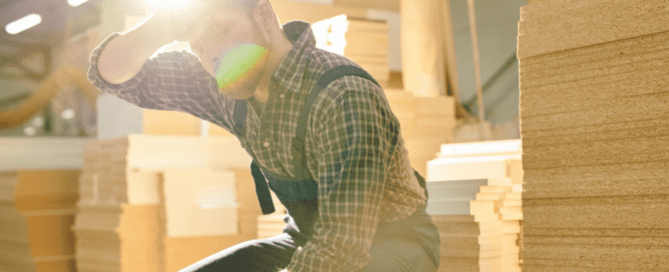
(475, 201)
(363, 41)
(271, 225)
(426, 123)
(37, 208)
(594, 124)
(160, 203)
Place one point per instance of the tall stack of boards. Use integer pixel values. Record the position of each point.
(38, 197)
(363, 41)
(594, 119)
(161, 203)
(37, 208)
(475, 201)
(594, 123)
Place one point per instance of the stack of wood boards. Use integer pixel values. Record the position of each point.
(147, 198)
(271, 225)
(363, 41)
(37, 208)
(594, 108)
(477, 185)
(425, 124)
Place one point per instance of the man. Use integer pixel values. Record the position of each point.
(318, 128)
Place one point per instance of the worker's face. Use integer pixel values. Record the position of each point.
(232, 49)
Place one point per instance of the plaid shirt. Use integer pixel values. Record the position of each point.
(353, 145)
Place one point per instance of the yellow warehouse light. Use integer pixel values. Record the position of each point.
(24, 23)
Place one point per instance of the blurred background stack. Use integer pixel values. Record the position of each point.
(145, 198)
(594, 125)
(363, 41)
(475, 201)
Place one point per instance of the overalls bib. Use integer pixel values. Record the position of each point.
(299, 194)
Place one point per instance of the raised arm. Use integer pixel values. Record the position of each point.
(174, 80)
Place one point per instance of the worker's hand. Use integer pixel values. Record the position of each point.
(181, 21)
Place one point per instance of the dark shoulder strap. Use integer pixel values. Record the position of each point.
(325, 80)
(239, 117)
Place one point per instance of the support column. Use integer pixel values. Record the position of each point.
(423, 68)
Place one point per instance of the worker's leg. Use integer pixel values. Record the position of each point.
(399, 255)
(265, 255)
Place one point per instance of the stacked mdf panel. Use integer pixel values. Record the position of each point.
(146, 198)
(37, 208)
(594, 108)
(486, 236)
(363, 41)
(457, 169)
(425, 124)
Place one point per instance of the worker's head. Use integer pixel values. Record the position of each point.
(233, 40)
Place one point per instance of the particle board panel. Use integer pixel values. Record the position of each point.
(593, 240)
(595, 62)
(622, 110)
(529, 231)
(641, 189)
(533, 99)
(629, 131)
(592, 53)
(655, 169)
(589, 31)
(604, 11)
(597, 75)
(602, 265)
(578, 150)
(537, 187)
(627, 249)
(625, 171)
(588, 224)
(545, 8)
(596, 161)
(579, 215)
(595, 256)
(596, 200)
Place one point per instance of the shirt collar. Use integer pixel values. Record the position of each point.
(291, 70)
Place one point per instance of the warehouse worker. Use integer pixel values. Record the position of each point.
(319, 130)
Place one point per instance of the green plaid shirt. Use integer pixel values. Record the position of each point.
(353, 143)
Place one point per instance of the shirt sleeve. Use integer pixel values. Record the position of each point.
(355, 137)
(174, 80)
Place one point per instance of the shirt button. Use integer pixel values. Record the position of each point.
(282, 95)
(266, 144)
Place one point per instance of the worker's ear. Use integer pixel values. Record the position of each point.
(263, 15)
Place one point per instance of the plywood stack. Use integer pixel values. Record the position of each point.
(594, 123)
(145, 198)
(363, 41)
(37, 208)
(482, 181)
(425, 124)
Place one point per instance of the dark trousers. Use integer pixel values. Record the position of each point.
(274, 254)
(389, 253)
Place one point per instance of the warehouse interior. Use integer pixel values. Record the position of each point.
(540, 127)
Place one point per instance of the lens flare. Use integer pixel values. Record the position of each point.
(238, 63)
(169, 4)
